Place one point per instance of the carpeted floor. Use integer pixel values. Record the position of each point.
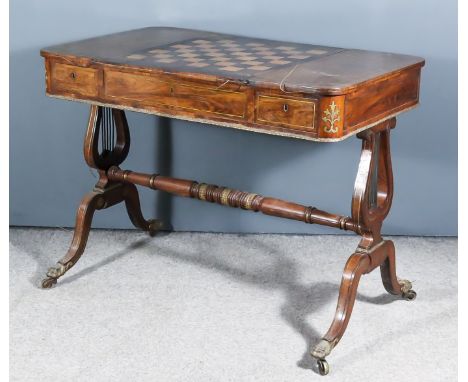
(218, 307)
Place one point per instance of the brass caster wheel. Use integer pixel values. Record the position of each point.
(410, 295)
(323, 367)
(154, 226)
(48, 283)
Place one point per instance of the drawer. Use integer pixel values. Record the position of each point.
(147, 90)
(74, 79)
(283, 111)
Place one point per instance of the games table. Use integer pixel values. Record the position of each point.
(302, 91)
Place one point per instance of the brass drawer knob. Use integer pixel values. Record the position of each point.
(285, 107)
(73, 75)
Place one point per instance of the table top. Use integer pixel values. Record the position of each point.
(291, 66)
(296, 90)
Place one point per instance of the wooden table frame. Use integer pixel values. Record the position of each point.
(368, 100)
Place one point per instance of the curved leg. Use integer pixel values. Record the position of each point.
(90, 203)
(356, 266)
(392, 283)
(132, 204)
(361, 262)
(107, 143)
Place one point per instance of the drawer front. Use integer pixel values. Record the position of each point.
(147, 90)
(283, 111)
(74, 79)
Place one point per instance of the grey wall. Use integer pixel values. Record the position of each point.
(48, 175)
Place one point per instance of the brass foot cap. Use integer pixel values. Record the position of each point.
(322, 349)
(154, 226)
(405, 285)
(406, 291)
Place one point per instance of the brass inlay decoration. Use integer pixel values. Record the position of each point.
(202, 191)
(331, 117)
(225, 196)
(248, 201)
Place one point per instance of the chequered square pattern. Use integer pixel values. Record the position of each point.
(228, 55)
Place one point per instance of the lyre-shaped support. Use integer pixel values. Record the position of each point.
(111, 126)
(373, 188)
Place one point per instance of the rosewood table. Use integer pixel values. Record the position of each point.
(310, 92)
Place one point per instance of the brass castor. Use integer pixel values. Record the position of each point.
(48, 283)
(323, 367)
(410, 295)
(154, 226)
